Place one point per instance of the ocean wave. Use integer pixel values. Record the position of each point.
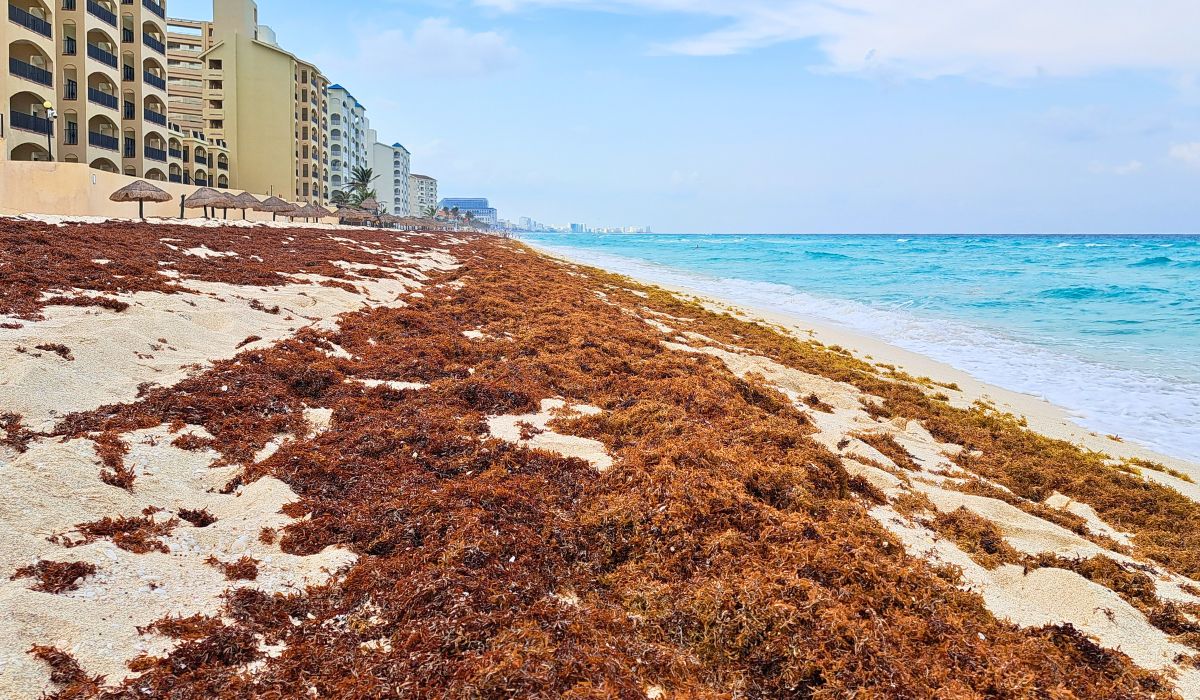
(1158, 411)
(1157, 261)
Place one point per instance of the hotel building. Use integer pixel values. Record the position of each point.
(391, 165)
(101, 66)
(347, 135)
(266, 109)
(475, 206)
(422, 194)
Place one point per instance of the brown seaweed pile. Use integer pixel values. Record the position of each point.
(725, 555)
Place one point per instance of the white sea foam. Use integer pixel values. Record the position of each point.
(1160, 412)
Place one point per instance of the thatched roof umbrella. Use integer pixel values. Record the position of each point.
(206, 197)
(349, 213)
(141, 192)
(276, 206)
(248, 201)
(306, 212)
(370, 204)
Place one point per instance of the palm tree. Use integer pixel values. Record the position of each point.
(431, 211)
(361, 178)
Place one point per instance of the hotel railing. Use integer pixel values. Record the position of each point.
(29, 21)
(130, 149)
(156, 9)
(70, 46)
(130, 111)
(102, 98)
(29, 71)
(201, 160)
(126, 36)
(175, 153)
(175, 178)
(154, 80)
(101, 55)
(155, 118)
(103, 141)
(127, 73)
(71, 135)
(71, 90)
(154, 43)
(28, 122)
(155, 154)
(222, 166)
(96, 9)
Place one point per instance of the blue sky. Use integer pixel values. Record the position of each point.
(850, 116)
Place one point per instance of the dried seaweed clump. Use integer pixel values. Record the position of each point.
(86, 301)
(58, 349)
(891, 449)
(112, 450)
(138, 535)
(66, 673)
(56, 577)
(244, 569)
(16, 435)
(198, 518)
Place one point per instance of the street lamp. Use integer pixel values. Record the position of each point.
(51, 115)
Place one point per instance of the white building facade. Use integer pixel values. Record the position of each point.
(422, 193)
(391, 166)
(347, 133)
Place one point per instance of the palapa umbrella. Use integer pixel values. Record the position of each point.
(370, 204)
(349, 213)
(306, 212)
(208, 197)
(248, 201)
(276, 206)
(141, 192)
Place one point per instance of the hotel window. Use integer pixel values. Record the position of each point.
(215, 64)
(216, 124)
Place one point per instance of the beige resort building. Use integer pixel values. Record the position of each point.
(101, 66)
(234, 88)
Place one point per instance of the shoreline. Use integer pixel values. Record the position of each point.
(1045, 417)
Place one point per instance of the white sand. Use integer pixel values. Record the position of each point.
(508, 428)
(56, 485)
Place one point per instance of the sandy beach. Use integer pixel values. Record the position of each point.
(345, 462)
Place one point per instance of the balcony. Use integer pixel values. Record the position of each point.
(97, 10)
(104, 141)
(102, 98)
(126, 36)
(71, 137)
(31, 72)
(130, 149)
(152, 79)
(102, 56)
(155, 117)
(156, 154)
(70, 46)
(154, 43)
(201, 160)
(29, 21)
(28, 122)
(156, 9)
(175, 178)
(130, 111)
(71, 90)
(176, 153)
(222, 166)
(127, 74)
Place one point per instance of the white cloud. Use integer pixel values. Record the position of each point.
(989, 39)
(434, 48)
(1131, 168)
(1187, 153)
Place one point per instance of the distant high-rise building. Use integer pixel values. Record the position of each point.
(422, 194)
(578, 228)
(477, 207)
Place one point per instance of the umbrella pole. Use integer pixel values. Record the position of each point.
(141, 214)
(182, 211)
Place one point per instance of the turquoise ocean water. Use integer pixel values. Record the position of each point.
(1107, 327)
